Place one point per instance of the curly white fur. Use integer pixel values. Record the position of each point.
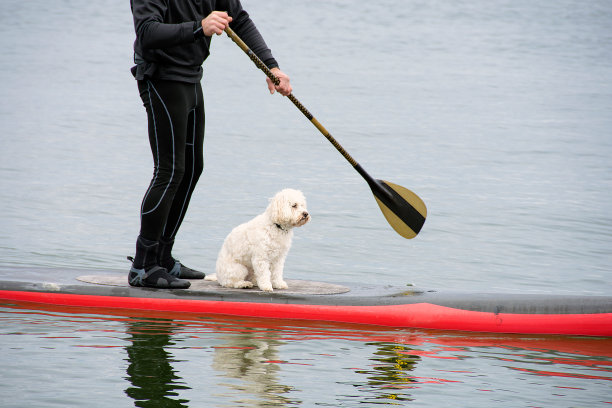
(254, 253)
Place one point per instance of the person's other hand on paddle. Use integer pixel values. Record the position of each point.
(283, 87)
(215, 23)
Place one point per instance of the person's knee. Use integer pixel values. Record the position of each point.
(170, 176)
(179, 173)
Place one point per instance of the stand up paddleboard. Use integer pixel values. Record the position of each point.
(406, 307)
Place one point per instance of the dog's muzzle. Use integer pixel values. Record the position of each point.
(305, 218)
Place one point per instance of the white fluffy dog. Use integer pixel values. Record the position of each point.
(254, 252)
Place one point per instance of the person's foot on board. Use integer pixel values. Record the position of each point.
(146, 270)
(181, 271)
(156, 277)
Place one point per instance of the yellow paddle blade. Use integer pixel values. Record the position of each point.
(399, 210)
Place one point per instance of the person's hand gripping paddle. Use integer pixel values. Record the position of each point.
(403, 209)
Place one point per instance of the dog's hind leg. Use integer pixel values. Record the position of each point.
(234, 276)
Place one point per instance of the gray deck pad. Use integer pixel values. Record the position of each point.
(300, 287)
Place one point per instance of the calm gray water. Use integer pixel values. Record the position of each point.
(498, 114)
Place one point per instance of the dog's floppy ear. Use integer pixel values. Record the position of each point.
(280, 209)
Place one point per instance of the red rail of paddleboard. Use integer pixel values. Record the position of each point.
(417, 315)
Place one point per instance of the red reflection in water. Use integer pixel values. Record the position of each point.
(557, 374)
(447, 345)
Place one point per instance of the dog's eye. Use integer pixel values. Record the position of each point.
(294, 205)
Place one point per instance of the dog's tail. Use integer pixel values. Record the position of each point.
(212, 277)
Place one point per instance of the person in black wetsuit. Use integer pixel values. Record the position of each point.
(172, 42)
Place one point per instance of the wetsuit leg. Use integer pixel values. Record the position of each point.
(168, 105)
(194, 165)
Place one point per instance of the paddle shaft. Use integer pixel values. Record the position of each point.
(259, 63)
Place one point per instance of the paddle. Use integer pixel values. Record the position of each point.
(403, 209)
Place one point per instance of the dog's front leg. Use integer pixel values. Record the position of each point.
(277, 274)
(261, 269)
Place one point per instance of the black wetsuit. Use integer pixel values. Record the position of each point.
(169, 50)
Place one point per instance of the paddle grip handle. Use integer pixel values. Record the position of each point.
(259, 63)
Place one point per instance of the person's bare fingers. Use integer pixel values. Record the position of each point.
(271, 86)
(284, 84)
(215, 23)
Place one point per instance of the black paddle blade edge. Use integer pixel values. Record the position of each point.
(396, 204)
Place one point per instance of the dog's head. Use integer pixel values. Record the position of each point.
(288, 209)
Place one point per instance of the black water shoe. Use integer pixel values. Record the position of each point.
(181, 271)
(156, 277)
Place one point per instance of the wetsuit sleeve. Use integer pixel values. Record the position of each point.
(152, 32)
(248, 32)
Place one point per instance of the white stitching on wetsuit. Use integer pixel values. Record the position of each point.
(150, 85)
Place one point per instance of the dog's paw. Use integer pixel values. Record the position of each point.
(280, 285)
(266, 287)
(238, 285)
(244, 285)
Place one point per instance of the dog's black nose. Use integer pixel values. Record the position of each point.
(305, 214)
